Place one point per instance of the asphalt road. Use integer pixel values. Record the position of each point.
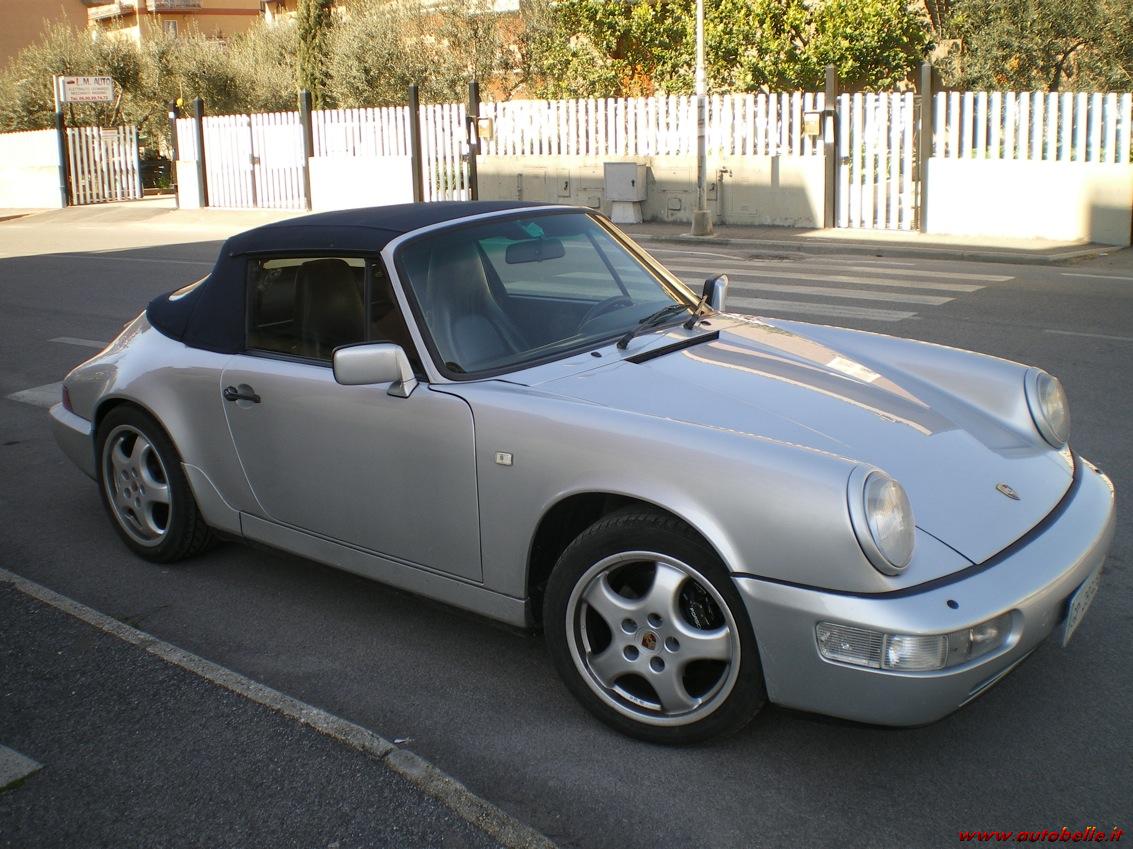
(138, 752)
(1051, 745)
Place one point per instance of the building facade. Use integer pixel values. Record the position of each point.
(25, 21)
(139, 19)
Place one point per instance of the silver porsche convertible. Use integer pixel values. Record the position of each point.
(514, 409)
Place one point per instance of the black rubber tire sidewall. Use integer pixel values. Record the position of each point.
(187, 533)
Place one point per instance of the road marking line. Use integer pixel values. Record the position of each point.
(825, 291)
(946, 275)
(96, 255)
(730, 257)
(1091, 335)
(82, 343)
(787, 274)
(39, 396)
(15, 767)
(788, 255)
(857, 259)
(762, 305)
(416, 770)
(1096, 276)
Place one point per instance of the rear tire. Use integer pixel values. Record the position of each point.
(648, 631)
(144, 489)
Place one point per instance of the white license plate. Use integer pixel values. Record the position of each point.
(1079, 603)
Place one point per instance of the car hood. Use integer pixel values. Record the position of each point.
(766, 381)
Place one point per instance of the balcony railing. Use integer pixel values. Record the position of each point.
(120, 7)
(109, 10)
(170, 5)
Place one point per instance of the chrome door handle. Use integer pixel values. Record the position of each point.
(231, 393)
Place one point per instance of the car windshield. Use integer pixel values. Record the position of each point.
(512, 291)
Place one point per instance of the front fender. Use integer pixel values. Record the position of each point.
(769, 508)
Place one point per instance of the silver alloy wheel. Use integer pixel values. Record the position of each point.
(136, 485)
(651, 640)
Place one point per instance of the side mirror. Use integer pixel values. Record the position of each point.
(378, 362)
(715, 291)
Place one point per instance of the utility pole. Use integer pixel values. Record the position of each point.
(473, 129)
(701, 217)
(61, 142)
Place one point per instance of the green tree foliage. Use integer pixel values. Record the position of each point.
(250, 72)
(315, 22)
(1041, 45)
(28, 102)
(383, 46)
(585, 48)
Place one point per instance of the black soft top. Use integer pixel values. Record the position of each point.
(211, 315)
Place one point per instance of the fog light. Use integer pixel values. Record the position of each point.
(914, 653)
(978, 640)
(848, 644)
(911, 652)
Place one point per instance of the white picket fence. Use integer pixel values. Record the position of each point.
(443, 147)
(361, 132)
(1055, 126)
(258, 160)
(737, 124)
(252, 161)
(103, 164)
(876, 187)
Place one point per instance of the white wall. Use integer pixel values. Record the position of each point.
(1031, 199)
(29, 170)
(188, 188)
(351, 182)
(774, 190)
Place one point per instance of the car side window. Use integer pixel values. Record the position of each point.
(387, 324)
(306, 306)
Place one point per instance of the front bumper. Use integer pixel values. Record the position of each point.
(1034, 579)
(73, 433)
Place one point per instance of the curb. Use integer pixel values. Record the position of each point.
(885, 249)
(478, 812)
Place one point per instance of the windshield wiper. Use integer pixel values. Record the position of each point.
(652, 320)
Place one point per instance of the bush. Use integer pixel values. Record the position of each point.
(251, 72)
(604, 48)
(383, 46)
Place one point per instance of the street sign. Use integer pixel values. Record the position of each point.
(85, 89)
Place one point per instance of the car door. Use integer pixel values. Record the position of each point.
(390, 475)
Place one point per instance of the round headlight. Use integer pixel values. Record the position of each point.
(883, 520)
(1049, 408)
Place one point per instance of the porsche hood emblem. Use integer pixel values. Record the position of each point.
(1008, 491)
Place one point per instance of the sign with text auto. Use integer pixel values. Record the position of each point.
(85, 89)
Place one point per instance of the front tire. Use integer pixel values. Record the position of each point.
(144, 489)
(647, 630)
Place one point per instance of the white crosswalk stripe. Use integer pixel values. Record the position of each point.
(740, 286)
(853, 279)
(764, 306)
(829, 287)
(39, 396)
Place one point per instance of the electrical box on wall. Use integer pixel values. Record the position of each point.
(625, 181)
(625, 190)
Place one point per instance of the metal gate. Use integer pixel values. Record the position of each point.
(876, 165)
(255, 161)
(103, 164)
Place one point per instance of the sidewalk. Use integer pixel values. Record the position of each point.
(892, 243)
(160, 214)
(140, 749)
